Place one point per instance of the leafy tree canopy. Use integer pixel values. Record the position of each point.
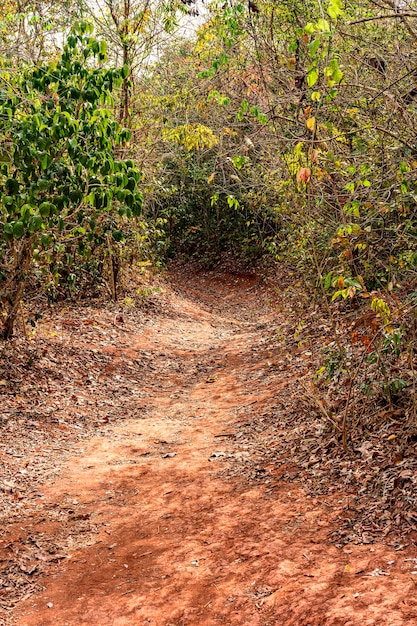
(62, 179)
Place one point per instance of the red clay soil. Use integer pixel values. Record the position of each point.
(177, 540)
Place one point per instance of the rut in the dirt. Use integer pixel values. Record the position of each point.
(172, 539)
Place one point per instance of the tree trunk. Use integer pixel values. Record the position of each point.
(124, 107)
(15, 286)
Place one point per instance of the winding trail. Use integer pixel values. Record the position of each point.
(179, 541)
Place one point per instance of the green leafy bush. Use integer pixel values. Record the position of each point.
(63, 189)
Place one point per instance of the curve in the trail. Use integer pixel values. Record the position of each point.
(176, 541)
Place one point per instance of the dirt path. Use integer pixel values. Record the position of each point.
(178, 540)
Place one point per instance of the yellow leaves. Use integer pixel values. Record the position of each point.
(229, 131)
(210, 179)
(346, 287)
(402, 210)
(142, 20)
(362, 282)
(320, 174)
(298, 148)
(205, 35)
(338, 135)
(311, 124)
(381, 308)
(191, 136)
(8, 7)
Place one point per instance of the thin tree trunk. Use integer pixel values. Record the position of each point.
(124, 108)
(15, 286)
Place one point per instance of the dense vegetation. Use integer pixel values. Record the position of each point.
(159, 129)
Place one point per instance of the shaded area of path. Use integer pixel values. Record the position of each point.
(178, 542)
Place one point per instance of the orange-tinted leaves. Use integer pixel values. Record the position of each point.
(304, 175)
